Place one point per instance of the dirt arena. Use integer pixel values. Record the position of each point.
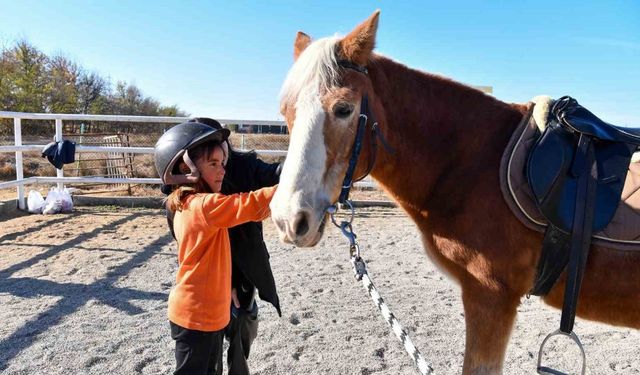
(85, 293)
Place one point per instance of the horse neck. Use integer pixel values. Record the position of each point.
(438, 129)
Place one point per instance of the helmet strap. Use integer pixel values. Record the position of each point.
(225, 149)
(179, 179)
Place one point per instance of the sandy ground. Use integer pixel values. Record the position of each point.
(85, 293)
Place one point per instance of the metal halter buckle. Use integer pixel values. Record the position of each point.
(549, 371)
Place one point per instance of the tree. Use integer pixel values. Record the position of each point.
(126, 99)
(90, 89)
(31, 81)
(61, 93)
(8, 67)
(172, 111)
(30, 78)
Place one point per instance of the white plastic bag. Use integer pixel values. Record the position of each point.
(67, 201)
(58, 201)
(35, 202)
(53, 203)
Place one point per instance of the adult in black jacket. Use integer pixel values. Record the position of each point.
(250, 258)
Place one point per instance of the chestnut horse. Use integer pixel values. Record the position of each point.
(447, 141)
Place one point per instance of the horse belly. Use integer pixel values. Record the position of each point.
(610, 290)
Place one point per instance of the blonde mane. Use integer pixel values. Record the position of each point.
(315, 69)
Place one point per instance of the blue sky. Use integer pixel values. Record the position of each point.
(228, 59)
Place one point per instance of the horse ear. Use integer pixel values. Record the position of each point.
(357, 46)
(302, 42)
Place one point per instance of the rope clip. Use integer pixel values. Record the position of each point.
(359, 268)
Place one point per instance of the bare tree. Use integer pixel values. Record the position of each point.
(61, 96)
(90, 87)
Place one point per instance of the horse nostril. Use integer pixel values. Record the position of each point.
(301, 224)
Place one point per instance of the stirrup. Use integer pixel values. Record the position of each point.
(549, 371)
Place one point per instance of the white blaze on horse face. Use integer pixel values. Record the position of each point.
(298, 205)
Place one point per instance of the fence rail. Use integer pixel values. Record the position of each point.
(119, 118)
(19, 147)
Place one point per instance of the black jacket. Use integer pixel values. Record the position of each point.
(59, 153)
(249, 255)
(245, 172)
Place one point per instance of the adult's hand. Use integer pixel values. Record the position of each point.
(234, 298)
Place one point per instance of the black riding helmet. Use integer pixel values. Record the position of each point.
(174, 145)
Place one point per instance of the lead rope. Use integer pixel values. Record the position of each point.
(360, 269)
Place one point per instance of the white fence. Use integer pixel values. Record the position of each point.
(19, 148)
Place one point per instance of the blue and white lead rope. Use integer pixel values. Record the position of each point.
(360, 269)
(424, 366)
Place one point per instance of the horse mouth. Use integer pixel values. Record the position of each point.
(311, 240)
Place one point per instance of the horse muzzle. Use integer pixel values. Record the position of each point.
(302, 227)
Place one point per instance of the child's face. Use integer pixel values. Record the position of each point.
(211, 168)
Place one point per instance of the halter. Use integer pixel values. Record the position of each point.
(363, 121)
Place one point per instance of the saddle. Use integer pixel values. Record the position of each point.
(577, 151)
(576, 170)
(622, 232)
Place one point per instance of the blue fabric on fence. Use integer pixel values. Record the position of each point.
(59, 153)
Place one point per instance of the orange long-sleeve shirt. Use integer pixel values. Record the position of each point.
(202, 296)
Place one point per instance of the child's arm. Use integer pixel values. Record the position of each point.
(224, 211)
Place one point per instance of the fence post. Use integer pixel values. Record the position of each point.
(59, 172)
(17, 134)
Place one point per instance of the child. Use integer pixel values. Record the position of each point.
(250, 267)
(191, 157)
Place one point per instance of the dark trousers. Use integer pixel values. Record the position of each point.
(241, 331)
(197, 352)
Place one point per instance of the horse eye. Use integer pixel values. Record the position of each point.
(342, 110)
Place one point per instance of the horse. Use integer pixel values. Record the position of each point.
(445, 142)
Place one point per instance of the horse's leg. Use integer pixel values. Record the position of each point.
(489, 317)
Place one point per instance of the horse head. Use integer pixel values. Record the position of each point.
(321, 102)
